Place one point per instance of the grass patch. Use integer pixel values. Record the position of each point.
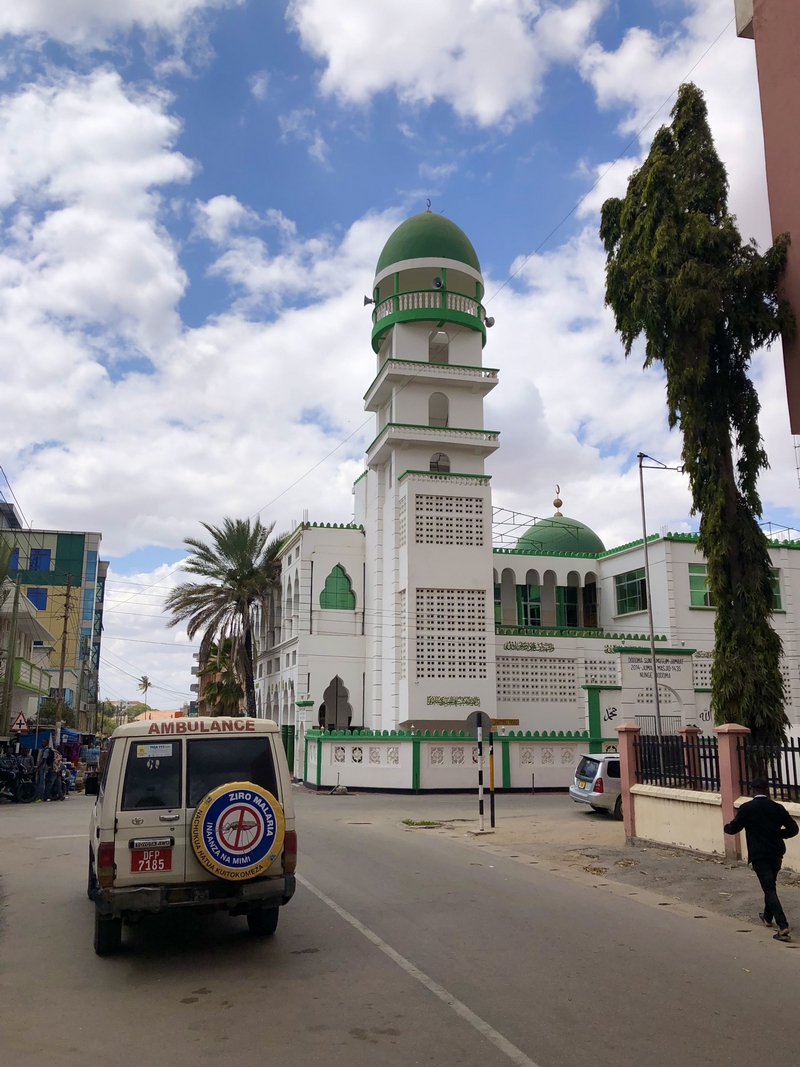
(420, 822)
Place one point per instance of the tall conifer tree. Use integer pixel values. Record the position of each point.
(679, 273)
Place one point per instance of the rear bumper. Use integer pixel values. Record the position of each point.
(210, 896)
(597, 800)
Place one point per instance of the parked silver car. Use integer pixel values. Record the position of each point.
(597, 783)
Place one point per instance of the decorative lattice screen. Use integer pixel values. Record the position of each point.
(537, 680)
(401, 522)
(402, 627)
(602, 672)
(448, 520)
(701, 670)
(451, 633)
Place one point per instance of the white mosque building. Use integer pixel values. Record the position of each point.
(409, 618)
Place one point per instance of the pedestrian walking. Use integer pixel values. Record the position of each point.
(766, 826)
(43, 768)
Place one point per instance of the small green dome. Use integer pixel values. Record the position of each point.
(428, 236)
(560, 534)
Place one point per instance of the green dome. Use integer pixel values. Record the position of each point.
(428, 236)
(560, 534)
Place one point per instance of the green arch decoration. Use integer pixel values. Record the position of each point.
(338, 592)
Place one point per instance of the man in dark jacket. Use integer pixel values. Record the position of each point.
(766, 826)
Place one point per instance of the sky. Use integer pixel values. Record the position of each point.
(193, 197)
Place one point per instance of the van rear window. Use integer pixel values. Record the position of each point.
(153, 776)
(212, 762)
(587, 768)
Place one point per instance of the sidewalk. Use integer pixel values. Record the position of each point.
(566, 835)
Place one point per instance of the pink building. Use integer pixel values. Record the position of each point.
(775, 27)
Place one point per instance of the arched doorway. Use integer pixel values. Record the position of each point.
(335, 712)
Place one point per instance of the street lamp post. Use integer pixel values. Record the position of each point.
(658, 465)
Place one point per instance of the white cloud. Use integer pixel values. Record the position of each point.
(300, 124)
(438, 172)
(646, 70)
(219, 217)
(259, 84)
(487, 58)
(88, 24)
(135, 642)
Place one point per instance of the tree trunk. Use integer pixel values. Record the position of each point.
(249, 677)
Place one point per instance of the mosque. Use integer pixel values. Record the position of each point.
(410, 616)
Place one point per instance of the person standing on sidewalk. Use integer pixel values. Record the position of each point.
(43, 768)
(766, 825)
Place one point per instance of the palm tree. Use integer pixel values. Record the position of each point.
(223, 691)
(240, 566)
(143, 685)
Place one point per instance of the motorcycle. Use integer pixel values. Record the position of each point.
(17, 780)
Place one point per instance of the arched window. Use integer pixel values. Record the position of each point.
(590, 614)
(439, 347)
(338, 591)
(440, 462)
(438, 409)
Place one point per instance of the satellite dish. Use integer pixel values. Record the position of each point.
(368, 300)
(489, 320)
(437, 283)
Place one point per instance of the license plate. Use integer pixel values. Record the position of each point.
(582, 785)
(151, 860)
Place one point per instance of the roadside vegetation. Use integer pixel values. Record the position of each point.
(679, 273)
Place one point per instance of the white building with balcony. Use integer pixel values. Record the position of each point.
(423, 609)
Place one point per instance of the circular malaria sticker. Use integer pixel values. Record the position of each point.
(237, 831)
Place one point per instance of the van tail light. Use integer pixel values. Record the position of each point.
(598, 786)
(290, 852)
(105, 863)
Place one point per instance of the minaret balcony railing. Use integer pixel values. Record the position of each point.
(420, 305)
(485, 441)
(403, 371)
(435, 299)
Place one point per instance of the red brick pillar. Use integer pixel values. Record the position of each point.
(628, 733)
(691, 755)
(729, 776)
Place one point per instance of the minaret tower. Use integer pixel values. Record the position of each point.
(424, 499)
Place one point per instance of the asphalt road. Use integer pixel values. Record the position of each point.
(403, 947)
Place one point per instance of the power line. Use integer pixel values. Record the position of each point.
(633, 139)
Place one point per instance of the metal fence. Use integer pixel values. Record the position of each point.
(670, 724)
(680, 762)
(778, 764)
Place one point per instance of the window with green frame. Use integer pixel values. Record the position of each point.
(338, 592)
(631, 591)
(699, 593)
(775, 580)
(498, 606)
(529, 605)
(566, 606)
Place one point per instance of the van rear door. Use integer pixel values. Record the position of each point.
(150, 839)
(216, 761)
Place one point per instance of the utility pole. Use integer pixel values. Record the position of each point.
(8, 678)
(62, 664)
(649, 593)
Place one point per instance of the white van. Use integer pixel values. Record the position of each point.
(192, 813)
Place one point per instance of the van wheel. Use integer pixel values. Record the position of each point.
(618, 808)
(264, 922)
(92, 884)
(107, 934)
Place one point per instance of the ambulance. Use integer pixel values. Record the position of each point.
(191, 813)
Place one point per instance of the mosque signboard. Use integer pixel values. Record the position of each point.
(675, 686)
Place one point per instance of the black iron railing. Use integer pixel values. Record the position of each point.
(680, 762)
(778, 764)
